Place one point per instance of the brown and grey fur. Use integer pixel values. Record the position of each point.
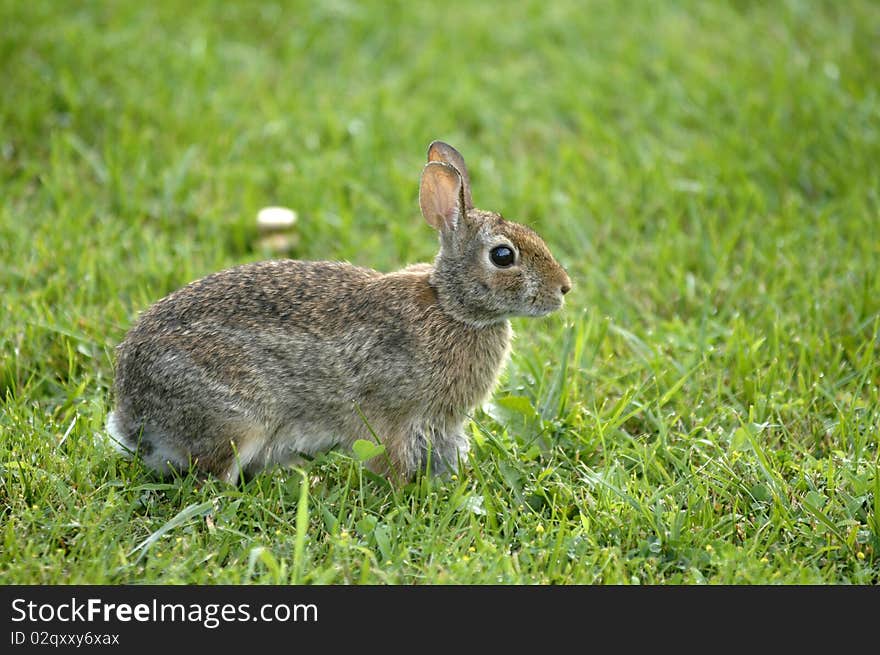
(262, 363)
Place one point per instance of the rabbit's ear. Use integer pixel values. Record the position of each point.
(441, 196)
(439, 151)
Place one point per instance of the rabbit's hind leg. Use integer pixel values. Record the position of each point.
(224, 447)
(444, 452)
(248, 456)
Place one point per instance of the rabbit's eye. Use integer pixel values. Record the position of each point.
(502, 256)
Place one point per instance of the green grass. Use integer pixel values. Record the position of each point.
(705, 409)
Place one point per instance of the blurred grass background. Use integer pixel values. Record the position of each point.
(705, 409)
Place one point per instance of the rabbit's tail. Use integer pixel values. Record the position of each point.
(132, 438)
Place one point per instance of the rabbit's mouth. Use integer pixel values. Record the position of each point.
(543, 305)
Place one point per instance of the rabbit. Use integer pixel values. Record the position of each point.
(265, 363)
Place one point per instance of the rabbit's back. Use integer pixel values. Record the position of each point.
(274, 294)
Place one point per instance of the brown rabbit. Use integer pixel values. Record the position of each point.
(259, 364)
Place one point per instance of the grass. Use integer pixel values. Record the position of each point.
(706, 408)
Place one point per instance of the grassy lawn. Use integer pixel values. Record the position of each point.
(704, 410)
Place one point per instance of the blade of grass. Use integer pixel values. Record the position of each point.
(302, 528)
(182, 517)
